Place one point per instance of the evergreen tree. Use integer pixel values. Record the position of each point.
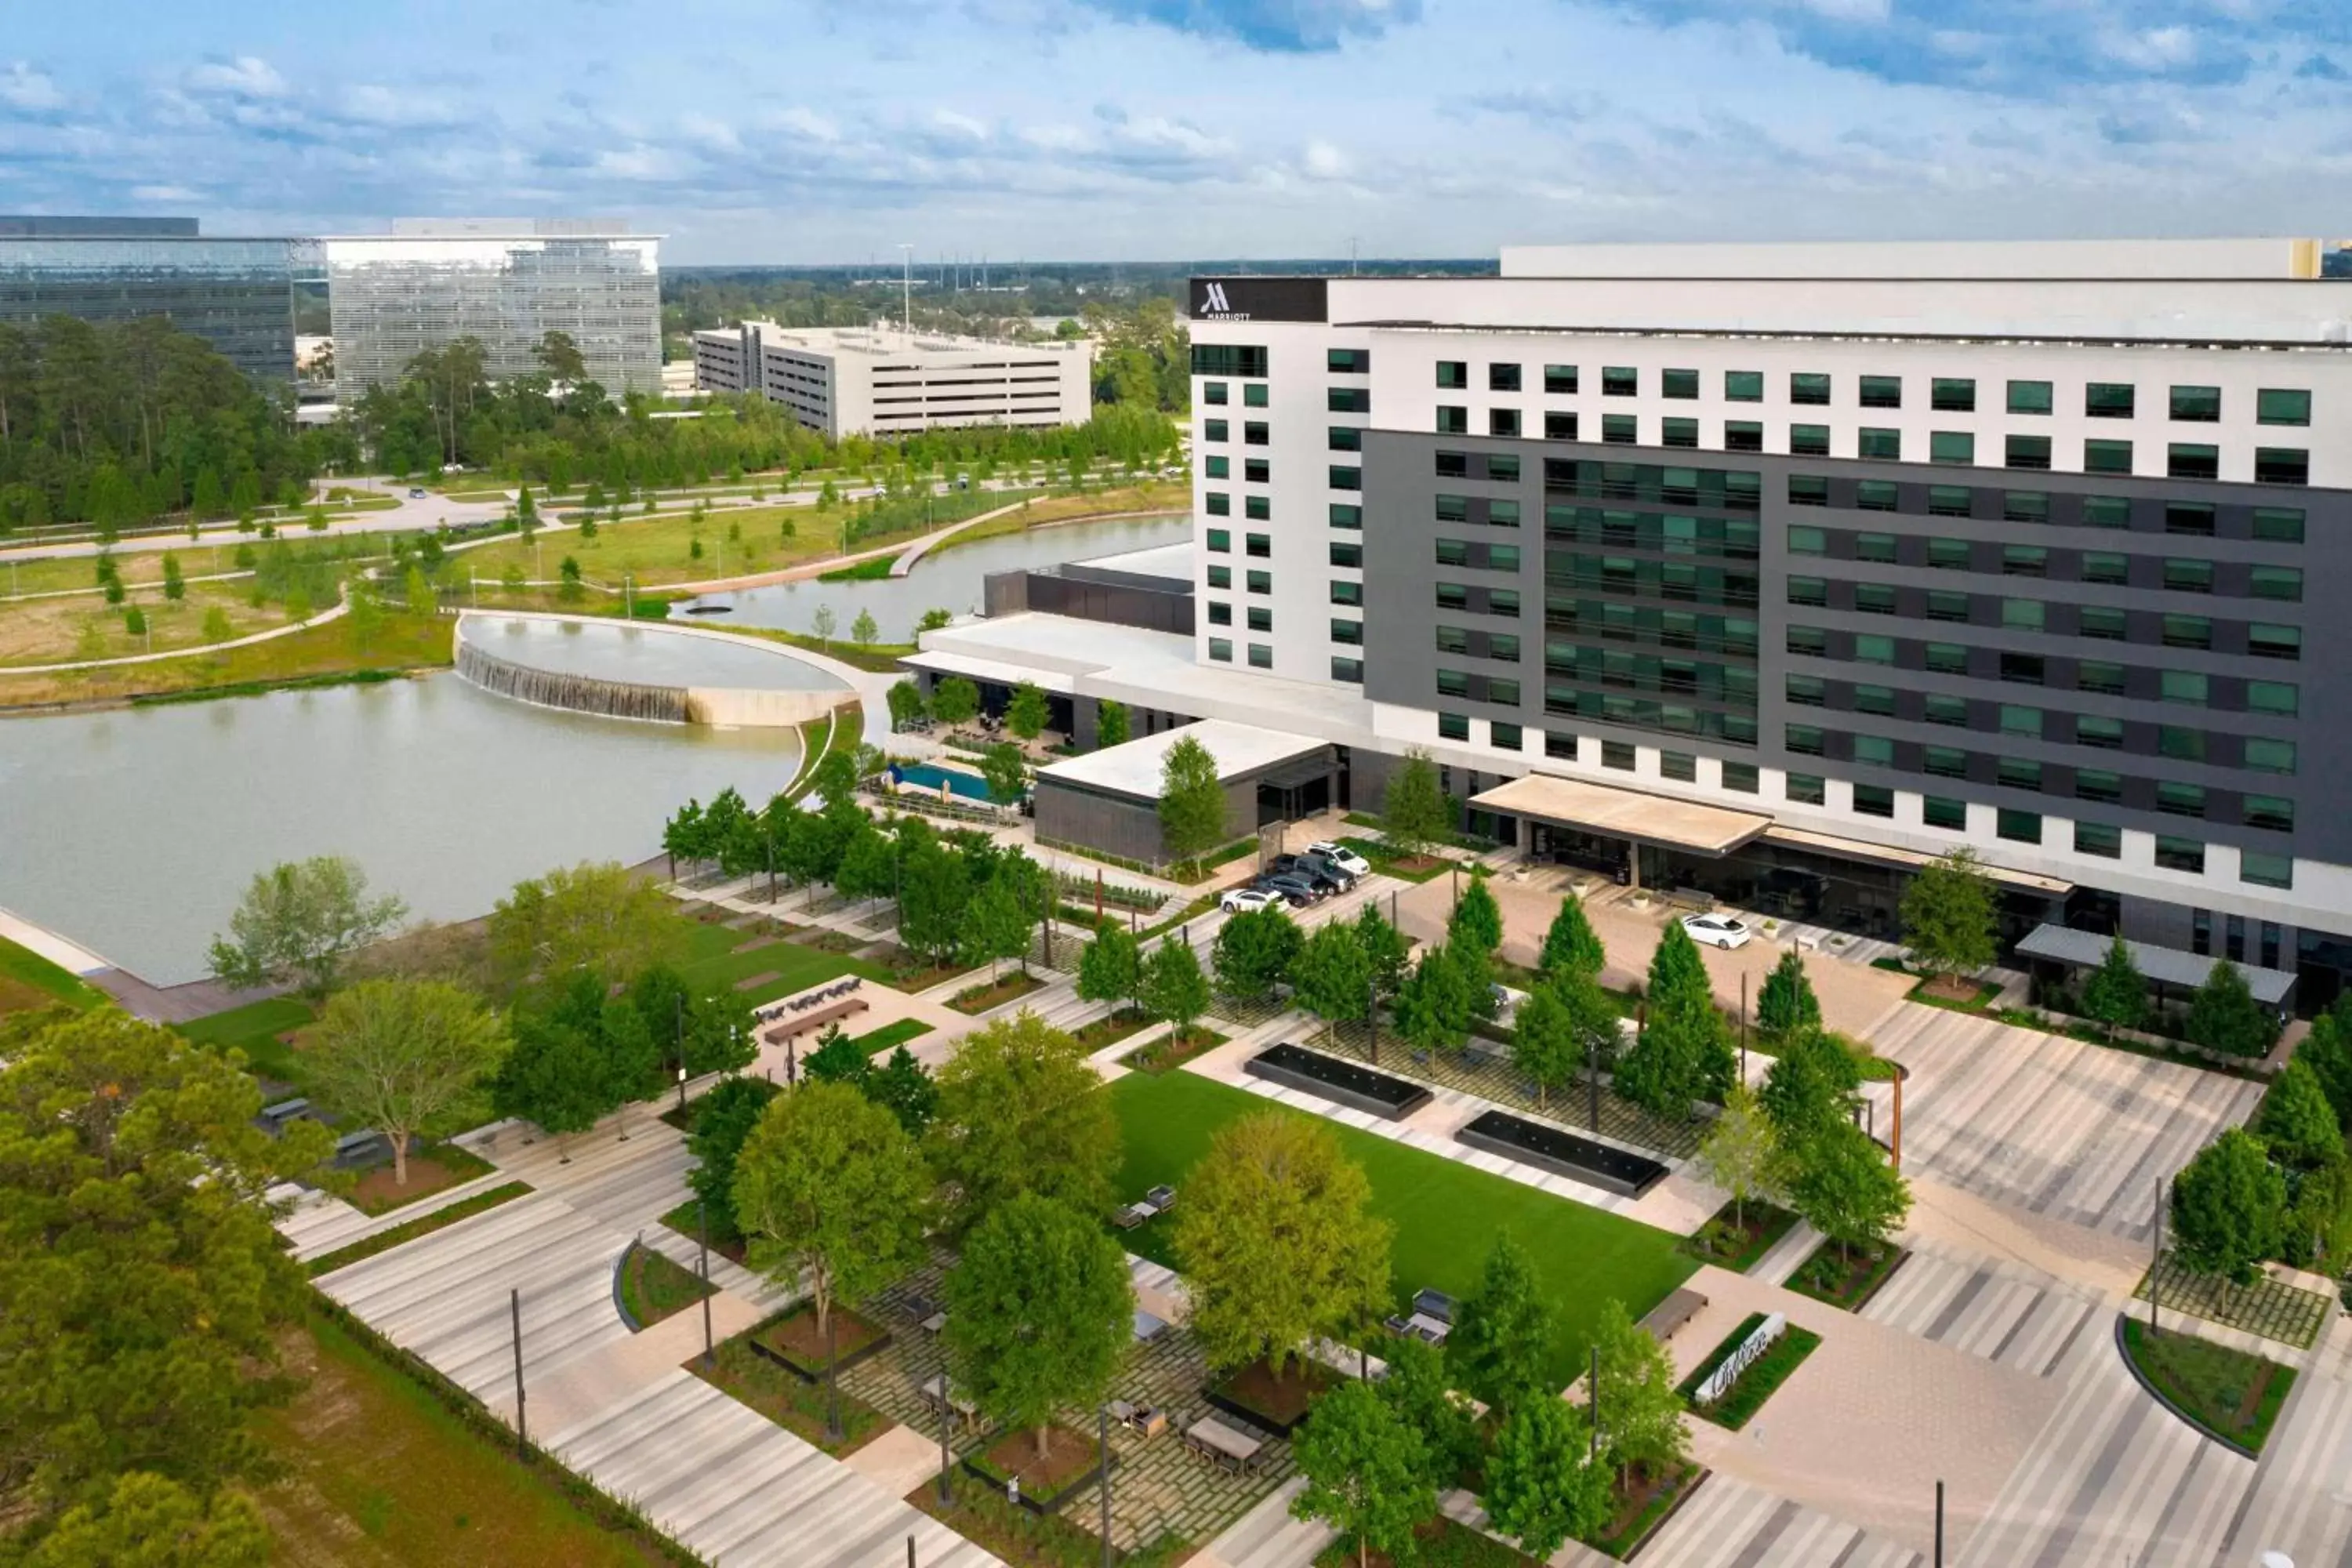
(1332, 977)
(1677, 974)
(2224, 1015)
(1842, 1185)
(1477, 917)
(2296, 1120)
(1501, 1345)
(1571, 946)
(1786, 1006)
(2114, 993)
(2228, 1206)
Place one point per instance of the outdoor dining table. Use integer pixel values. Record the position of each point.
(965, 1408)
(1220, 1443)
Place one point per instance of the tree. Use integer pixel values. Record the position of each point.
(2227, 1208)
(1502, 1341)
(997, 925)
(1682, 1056)
(1541, 1486)
(134, 621)
(2114, 993)
(1786, 1006)
(1642, 1421)
(1367, 1472)
(148, 1522)
(1412, 807)
(1274, 1243)
(562, 1073)
(1023, 1110)
(364, 614)
(1385, 948)
(901, 1086)
(1027, 714)
(1418, 1389)
(955, 701)
(1110, 971)
(1040, 1312)
(217, 625)
(299, 921)
(935, 884)
(1477, 917)
(417, 591)
(837, 1058)
(142, 1287)
(393, 1055)
(702, 1031)
(1571, 945)
(1006, 771)
(1948, 913)
(1253, 952)
(934, 619)
(175, 585)
(2296, 1120)
(595, 918)
(2327, 1051)
(1435, 1006)
(723, 1120)
(1110, 724)
(823, 623)
(1173, 986)
(833, 1198)
(1814, 1083)
(1843, 1186)
(863, 630)
(1677, 974)
(2225, 1017)
(1331, 976)
(907, 705)
(1544, 1043)
(1741, 1154)
(1191, 801)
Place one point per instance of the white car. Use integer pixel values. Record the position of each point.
(1248, 900)
(1346, 859)
(1716, 931)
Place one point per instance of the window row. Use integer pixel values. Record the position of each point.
(2020, 721)
(2173, 574)
(1718, 490)
(2099, 622)
(2181, 687)
(1730, 684)
(1634, 576)
(1260, 617)
(1255, 581)
(1255, 432)
(1500, 734)
(1220, 503)
(1651, 626)
(2201, 520)
(1261, 654)
(1563, 701)
(1732, 538)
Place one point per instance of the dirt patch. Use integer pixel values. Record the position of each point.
(754, 981)
(1278, 1402)
(15, 996)
(754, 945)
(799, 1341)
(1949, 988)
(376, 1191)
(980, 998)
(1067, 1457)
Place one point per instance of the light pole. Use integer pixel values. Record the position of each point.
(907, 288)
(681, 1090)
(522, 1432)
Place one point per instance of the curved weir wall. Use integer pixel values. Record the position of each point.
(578, 693)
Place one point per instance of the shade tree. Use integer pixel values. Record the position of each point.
(1022, 1110)
(2228, 1206)
(1191, 801)
(1412, 805)
(1252, 952)
(1542, 1488)
(298, 923)
(1501, 1346)
(1040, 1311)
(2115, 993)
(1366, 1472)
(394, 1055)
(1949, 914)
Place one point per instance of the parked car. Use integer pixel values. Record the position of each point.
(417, 492)
(1716, 931)
(1309, 869)
(1339, 855)
(1322, 865)
(1248, 900)
(1297, 889)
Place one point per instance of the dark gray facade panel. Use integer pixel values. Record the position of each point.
(1127, 828)
(1133, 602)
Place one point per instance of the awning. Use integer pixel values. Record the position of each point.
(1888, 855)
(2166, 965)
(998, 672)
(1624, 814)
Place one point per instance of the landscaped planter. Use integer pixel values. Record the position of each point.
(856, 1338)
(985, 1464)
(1557, 1150)
(1278, 1407)
(1347, 1083)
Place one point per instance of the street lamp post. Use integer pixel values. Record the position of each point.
(702, 1223)
(1102, 1418)
(681, 1091)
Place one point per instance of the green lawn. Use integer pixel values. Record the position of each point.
(709, 960)
(254, 1029)
(22, 969)
(1446, 1213)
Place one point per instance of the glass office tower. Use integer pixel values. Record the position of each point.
(507, 283)
(236, 294)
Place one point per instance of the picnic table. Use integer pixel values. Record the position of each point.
(1222, 1446)
(963, 1407)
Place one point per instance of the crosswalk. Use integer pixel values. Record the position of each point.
(2009, 1314)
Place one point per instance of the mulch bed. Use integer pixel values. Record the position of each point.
(1113, 1028)
(1439, 1542)
(1279, 1404)
(754, 981)
(1070, 1458)
(375, 1193)
(1845, 1282)
(980, 998)
(1739, 1248)
(1644, 1503)
(1168, 1051)
(801, 1345)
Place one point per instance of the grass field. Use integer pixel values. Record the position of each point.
(254, 1029)
(1446, 1213)
(378, 1473)
(406, 642)
(709, 960)
(28, 980)
(58, 631)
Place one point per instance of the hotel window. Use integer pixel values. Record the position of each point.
(1346, 477)
(1678, 766)
(1559, 427)
(2102, 621)
(2179, 854)
(1809, 387)
(2106, 511)
(2276, 582)
(1945, 761)
(2098, 784)
(2184, 576)
(1805, 541)
(1347, 514)
(1502, 423)
(1951, 446)
(2092, 730)
(2024, 561)
(1453, 552)
(1257, 508)
(1619, 429)
(2275, 407)
(1561, 746)
(2030, 397)
(1502, 558)
(2027, 452)
(1260, 545)
(1950, 501)
(2179, 799)
(1946, 605)
(1679, 385)
(1219, 503)
(2109, 400)
(1805, 789)
(1344, 438)
(1873, 800)
(1505, 691)
(1949, 555)
(1217, 430)
(2265, 756)
(1260, 618)
(1502, 514)
(1877, 495)
(2274, 642)
(1213, 392)
(1348, 553)
(1618, 755)
(1805, 740)
(1503, 467)
(1882, 392)
(1450, 596)
(1880, 549)
(2190, 460)
(1938, 708)
(1452, 421)
(1259, 582)
(1350, 670)
(1810, 641)
(1678, 432)
(1503, 602)
(2025, 723)
(1502, 378)
(1348, 361)
(1346, 631)
(2279, 524)
(2107, 457)
(1809, 591)
(1257, 472)
(2099, 838)
(1807, 691)
(1807, 490)
(2271, 812)
(1222, 649)
(1452, 509)
(1942, 811)
(2281, 466)
(1951, 395)
(2197, 405)
(1221, 540)
(1254, 394)
(1873, 750)
(1560, 379)
(1452, 726)
(2279, 697)
(1221, 576)
(1352, 594)
(1620, 381)
(1809, 440)
(1505, 737)
(2107, 567)
(1261, 657)
(1219, 467)
(1874, 598)
(1743, 777)
(2192, 518)
(1883, 445)
(1254, 433)
(2187, 631)
(1219, 612)
(1453, 374)
(1503, 645)
(1743, 386)
(2266, 870)
(2018, 826)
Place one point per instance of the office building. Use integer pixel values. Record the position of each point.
(507, 282)
(1775, 570)
(236, 294)
(849, 381)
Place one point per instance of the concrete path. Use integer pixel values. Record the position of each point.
(331, 612)
(1732, 1524)
(2010, 1315)
(930, 541)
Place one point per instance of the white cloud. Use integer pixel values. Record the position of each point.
(1325, 162)
(165, 194)
(371, 105)
(808, 122)
(1056, 138)
(26, 87)
(2155, 49)
(247, 76)
(962, 124)
(716, 134)
(1850, 10)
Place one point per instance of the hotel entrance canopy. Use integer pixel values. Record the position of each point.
(1626, 814)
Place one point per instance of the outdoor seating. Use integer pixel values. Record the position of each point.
(1141, 1418)
(1161, 1198)
(1148, 1326)
(1222, 1446)
(1434, 1304)
(1133, 1214)
(1672, 1313)
(961, 1409)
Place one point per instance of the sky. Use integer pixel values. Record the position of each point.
(770, 131)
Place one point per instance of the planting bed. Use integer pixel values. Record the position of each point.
(1557, 1150)
(1347, 1083)
(1270, 1404)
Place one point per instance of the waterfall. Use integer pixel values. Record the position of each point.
(578, 693)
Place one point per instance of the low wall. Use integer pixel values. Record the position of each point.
(746, 709)
(724, 707)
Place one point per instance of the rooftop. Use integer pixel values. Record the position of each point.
(885, 340)
(2013, 259)
(1625, 812)
(2165, 965)
(1134, 768)
(1173, 561)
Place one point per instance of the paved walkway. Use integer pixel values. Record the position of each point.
(2010, 1315)
(1731, 1524)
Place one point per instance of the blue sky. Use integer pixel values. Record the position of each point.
(759, 131)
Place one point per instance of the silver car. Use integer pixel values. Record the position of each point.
(1716, 931)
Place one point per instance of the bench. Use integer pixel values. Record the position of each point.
(1664, 1320)
(1434, 1304)
(363, 1148)
(1690, 899)
(793, 1026)
(1222, 1446)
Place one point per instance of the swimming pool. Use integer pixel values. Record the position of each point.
(925, 776)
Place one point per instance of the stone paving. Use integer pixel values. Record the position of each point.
(1729, 1523)
(2006, 1312)
(2054, 1125)
(2269, 1307)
